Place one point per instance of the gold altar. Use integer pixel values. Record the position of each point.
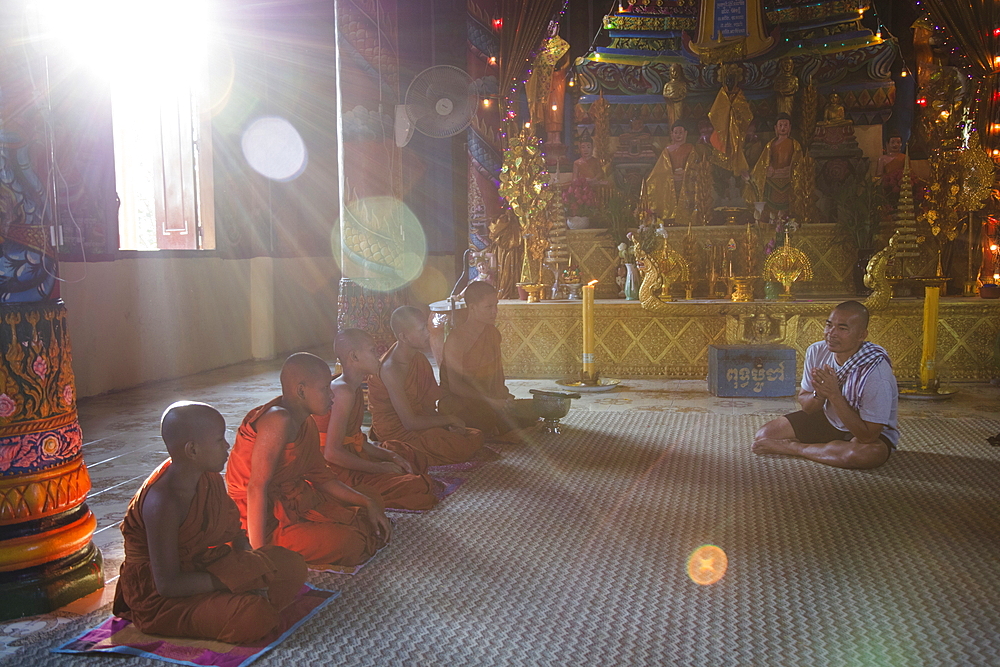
(595, 253)
(543, 340)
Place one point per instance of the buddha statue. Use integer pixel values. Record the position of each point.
(674, 93)
(587, 166)
(772, 175)
(786, 84)
(834, 114)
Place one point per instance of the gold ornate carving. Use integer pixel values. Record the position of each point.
(659, 268)
(40, 548)
(42, 494)
(787, 265)
(543, 340)
(877, 275)
(654, 23)
(759, 328)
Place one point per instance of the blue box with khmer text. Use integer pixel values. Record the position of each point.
(751, 370)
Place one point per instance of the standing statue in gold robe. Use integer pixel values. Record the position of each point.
(674, 93)
(786, 84)
(731, 117)
(546, 87)
(772, 175)
(671, 187)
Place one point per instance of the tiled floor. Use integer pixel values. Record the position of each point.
(122, 443)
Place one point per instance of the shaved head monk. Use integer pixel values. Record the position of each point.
(395, 470)
(472, 379)
(189, 570)
(403, 397)
(279, 480)
(848, 397)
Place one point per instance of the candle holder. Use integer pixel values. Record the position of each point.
(744, 288)
(929, 387)
(534, 291)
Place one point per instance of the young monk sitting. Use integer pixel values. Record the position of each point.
(279, 480)
(395, 470)
(472, 379)
(189, 570)
(403, 394)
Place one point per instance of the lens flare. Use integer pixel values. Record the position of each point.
(383, 244)
(707, 564)
(274, 148)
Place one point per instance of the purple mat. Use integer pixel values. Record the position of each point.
(485, 455)
(450, 486)
(116, 635)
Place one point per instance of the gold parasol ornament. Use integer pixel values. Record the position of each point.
(787, 265)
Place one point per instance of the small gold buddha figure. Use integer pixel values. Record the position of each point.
(835, 115)
(587, 166)
(786, 84)
(674, 93)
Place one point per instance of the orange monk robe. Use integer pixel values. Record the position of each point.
(205, 542)
(441, 446)
(302, 517)
(483, 366)
(398, 490)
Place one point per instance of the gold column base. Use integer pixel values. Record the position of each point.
(931, 393)
(744, 288)
(534, 291)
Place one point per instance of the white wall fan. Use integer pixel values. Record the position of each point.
(440, 102)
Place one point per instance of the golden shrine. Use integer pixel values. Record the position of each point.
(746, 166)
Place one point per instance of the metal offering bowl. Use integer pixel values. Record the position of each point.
(552, 406)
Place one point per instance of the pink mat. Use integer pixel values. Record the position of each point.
(116, 635)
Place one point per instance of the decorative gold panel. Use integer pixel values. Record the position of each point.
(42, 494)
(595, 253)
(544, 340)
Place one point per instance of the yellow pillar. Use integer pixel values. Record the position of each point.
(47, 556)
(928, 371)
(589, 374)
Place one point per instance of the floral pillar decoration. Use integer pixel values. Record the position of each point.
(368, 83)
(47, 557)
(524, 183)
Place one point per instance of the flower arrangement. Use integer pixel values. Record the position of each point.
(625, 251)
(579, 199)
(781, 223)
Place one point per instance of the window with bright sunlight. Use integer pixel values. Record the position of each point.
(154, 54)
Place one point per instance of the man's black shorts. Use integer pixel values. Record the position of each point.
(814, 428)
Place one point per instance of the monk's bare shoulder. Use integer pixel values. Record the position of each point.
(343, 393)
(392, 372)
(165, 505)
(275, 423)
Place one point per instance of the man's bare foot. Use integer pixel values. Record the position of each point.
(772, 446)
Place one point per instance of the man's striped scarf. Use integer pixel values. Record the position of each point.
(855, 371)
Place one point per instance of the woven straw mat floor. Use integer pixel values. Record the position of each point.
(572, 550)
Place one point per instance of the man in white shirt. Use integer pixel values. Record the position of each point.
(848, 397)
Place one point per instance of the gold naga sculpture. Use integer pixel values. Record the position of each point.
(787, 265)
(877, 274)
(660, 268)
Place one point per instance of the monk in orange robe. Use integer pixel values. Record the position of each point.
(403, 397)
(395, 470)
(279, 480)
(472, 378)
(189, 570)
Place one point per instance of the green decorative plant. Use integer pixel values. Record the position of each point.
(619, 215)
(859, 213)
